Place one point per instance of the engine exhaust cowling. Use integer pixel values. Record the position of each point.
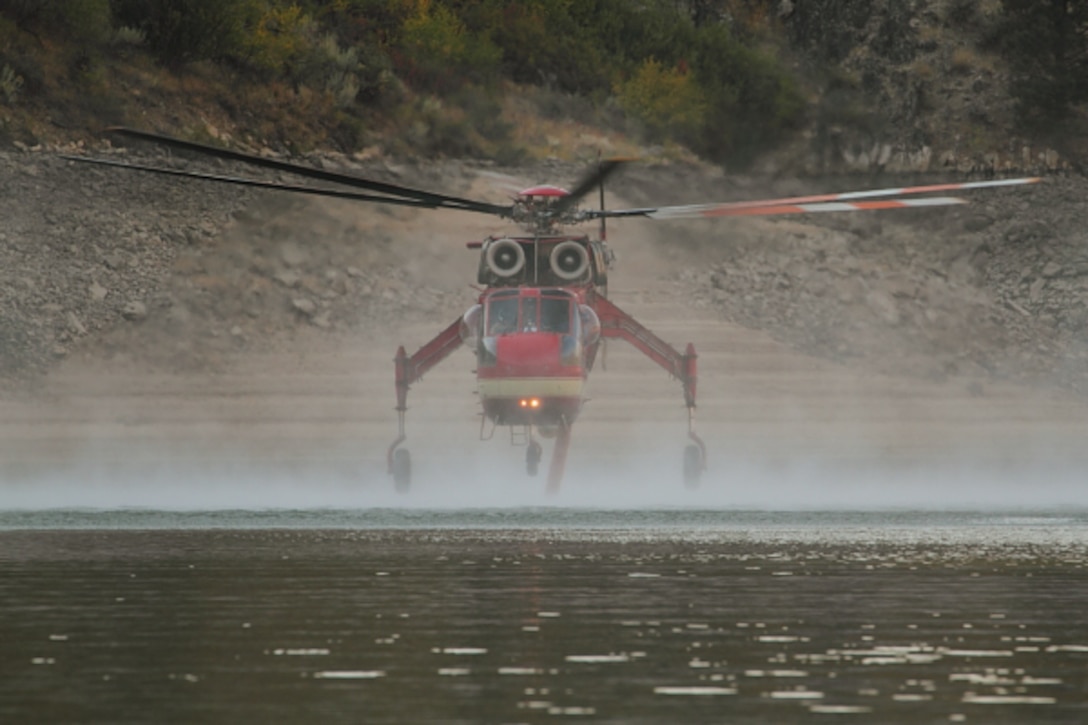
(569, 260)
(505, 257)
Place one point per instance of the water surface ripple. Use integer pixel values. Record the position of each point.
(543, 614)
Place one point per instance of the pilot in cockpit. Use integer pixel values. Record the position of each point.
(503, 320)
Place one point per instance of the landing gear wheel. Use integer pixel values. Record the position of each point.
(402, 470)
(693, 466)
(532, 457)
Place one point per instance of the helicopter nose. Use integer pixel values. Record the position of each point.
(529, 354)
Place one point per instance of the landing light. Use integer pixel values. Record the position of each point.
(529, 402)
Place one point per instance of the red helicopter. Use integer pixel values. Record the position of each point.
(543, 314)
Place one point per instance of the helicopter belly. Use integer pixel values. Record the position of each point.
(532, 401)
(537, 387)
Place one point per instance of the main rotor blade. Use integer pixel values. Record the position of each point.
(589, 182)
(426, 198)
(240, 181)
(778, 209)
(843, 201)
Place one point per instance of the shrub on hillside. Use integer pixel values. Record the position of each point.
(10, 84)
(752, 101)
(275, 37)
(181, 31)
(627, 35)
(466, 124)
(1046, 44)
(542, 43)
(85, 21)
(667, 101)
(439, 53)
(327, 65)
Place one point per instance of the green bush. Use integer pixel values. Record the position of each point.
(275, 38)
(666, 100)
(468, 123)
(441, 54)
(126, 37)
(349, 74)
(85, 21)
(10, 84)
(753, 103)
(628, 34)
(483, 111)
(181, 31)
(1046, 45)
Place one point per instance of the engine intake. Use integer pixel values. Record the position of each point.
(505, 257)
(569, 260)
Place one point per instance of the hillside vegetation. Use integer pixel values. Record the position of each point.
(345, 73)
(730, 80)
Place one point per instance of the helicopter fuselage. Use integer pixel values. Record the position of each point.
(534, 349)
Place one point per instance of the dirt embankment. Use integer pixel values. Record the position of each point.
(184, 275)
(181, 275)
(997, 287)
(83, 253)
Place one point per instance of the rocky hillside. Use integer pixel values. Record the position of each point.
(143, 268)
(995, 288)
(184, 275)
(81, 254)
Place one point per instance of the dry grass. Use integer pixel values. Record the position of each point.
(965, 60)
(548, 126)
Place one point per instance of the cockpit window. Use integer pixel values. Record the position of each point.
(502, 316)
(547, 314)
(554, 315)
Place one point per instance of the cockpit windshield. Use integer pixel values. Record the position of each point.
(554, 315)
(544, 314)
(502, 315)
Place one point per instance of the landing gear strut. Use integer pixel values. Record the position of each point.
(402, 470)
(408, 371)
(535, 452)
(693, 469)
(399, 460)
(617, 323)
(532, 457)
(694, 455)
(559, 458)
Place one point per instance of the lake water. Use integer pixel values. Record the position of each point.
(543, 614)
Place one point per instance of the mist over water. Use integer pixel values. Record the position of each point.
(475, 482)
(242, 591)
